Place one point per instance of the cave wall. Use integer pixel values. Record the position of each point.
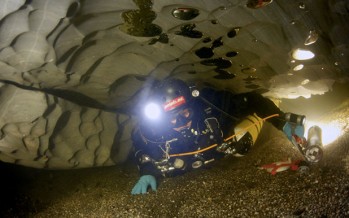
(71, 71)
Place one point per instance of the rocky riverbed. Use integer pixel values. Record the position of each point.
(233, 187)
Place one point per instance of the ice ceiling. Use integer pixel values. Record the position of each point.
(71, 70)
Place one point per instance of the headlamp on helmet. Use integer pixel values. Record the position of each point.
(168, 98)
(153, 111)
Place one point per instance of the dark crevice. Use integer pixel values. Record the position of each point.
(85, 77)
(69, 95)
(187, 30)
(217, 43)
(115, 150)
(77, 54)
(61, 123)
(66, 55)
(73, 9)
(78, 98)
(204, 52)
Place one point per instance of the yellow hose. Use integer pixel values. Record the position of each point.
(215, 145)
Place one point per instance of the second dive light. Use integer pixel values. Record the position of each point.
(295, 118)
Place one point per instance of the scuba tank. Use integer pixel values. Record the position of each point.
(251, 125)
(245, 135)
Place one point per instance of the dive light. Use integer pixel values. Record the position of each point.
(152, 111)
(311, 147)
(295, 118)
(313, 151)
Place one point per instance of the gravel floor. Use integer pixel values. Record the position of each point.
(233, 187)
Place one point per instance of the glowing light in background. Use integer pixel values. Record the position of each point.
(330, 131)
(304, 82)
(298, 67)
(312, 38)
(300, 54)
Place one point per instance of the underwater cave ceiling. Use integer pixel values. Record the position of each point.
(71, 70)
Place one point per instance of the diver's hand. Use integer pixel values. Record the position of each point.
(141, 186)
(298, 130)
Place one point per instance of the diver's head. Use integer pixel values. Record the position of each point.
(170, 104)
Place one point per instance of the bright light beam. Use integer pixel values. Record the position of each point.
(330, 131)
(152, 111)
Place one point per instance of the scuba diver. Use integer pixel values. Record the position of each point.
(183, 129)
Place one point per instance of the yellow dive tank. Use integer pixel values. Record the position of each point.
(252, 124)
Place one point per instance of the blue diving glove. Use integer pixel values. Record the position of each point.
(141, 186)
(298, 130)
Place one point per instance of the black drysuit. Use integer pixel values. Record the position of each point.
(157, 147)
